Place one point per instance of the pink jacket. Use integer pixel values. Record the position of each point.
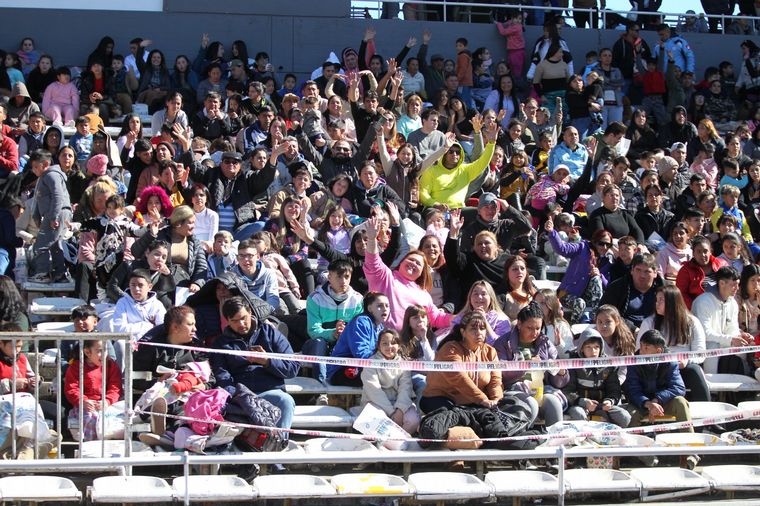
(61, 95)
(709, 170)
(514, 34)
(401, 293)
(286, 280)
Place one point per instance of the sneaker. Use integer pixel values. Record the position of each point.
(63, 278)
(692, 461)
(322, 400)
(157, 421)
(40, 277)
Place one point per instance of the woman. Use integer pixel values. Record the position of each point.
(208, 55)
(336, 192)
(578, 104)
(212, 82)
(675, 253)
(696, 275)
(487, 263)
(408, 284)
(410, 120)
(734, 152)
(751, 147)
(155, 81)
(335, 112)
(520, 289)
(619, 222)
(706, 134)
(206, 220)
(170, 115)
(103, 53)
(528, 342)
(131, 132)
(679, 129)
(684, 333)
(12, 306)
(97, 87)
(369, 189)
(441, 104)
(641, 135)
(155, 263)
(550, 79)
(748, 298)
(586, 277)
(184, 81)
(289, 245)
(187, 260)
(39, 78)
(482, 298)
(613, 88)
(618, 339)
(594, 202)
(466, 343)
(444, 290)
(504, 98)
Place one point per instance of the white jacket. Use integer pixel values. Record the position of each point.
(387, 389)
(137, 318)
(719, 319)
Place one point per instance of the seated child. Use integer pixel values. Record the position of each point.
(160, 275)
(594, 391)
(390, 389)
(435, 224)
(222, 257)
(328, 309)
(93, 399)
(288, 288)
(138, 310)
(704, 165)
(655, 390)
(730, 197)
(732, 174)
(564, 223)
(546, 191)
(81, 141)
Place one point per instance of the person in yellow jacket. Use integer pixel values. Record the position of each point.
(444, 185)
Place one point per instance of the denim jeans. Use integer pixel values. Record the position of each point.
(320, 348)
(5, 260)
(247, 230)
(285, 402)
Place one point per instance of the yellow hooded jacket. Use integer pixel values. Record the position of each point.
(439, 185)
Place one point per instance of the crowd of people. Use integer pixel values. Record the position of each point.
(375, 212)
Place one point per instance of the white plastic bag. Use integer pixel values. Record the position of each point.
(374, 422)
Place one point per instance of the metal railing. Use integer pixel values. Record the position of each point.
(376, 6)
(58, 385)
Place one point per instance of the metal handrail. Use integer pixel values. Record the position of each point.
(677, 15)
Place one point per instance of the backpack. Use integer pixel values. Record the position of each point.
(247, 407)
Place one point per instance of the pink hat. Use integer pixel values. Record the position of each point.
(97, 165)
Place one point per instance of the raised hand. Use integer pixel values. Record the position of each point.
(369, 34)
(451, 139)
(426, 36)
(491, 132)
(477, 123)
(301, 230)
(549, 226)
(373, 227)
(457, 222)
(393, 212)
(204, 40)
(392, 65)
(411, 42)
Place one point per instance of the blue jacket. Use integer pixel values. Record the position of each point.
(578, 272)
(231, 369)
(358, 340)
(575, 160)
(683, 56)
(649, 382)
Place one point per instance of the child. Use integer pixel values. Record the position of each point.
(390, 389)
(160, 275)
(565, 225)
(335, 232)
(328, 309)
(513, 31)
(417, 343)
(735, 253)
(33, 137)
(435, 224)
(124, 83)
(557, 328)
(93, 116)
(359, 338)
(81, 141)
(732, 174)
(111, 229)
(546, 191)
(730, 197)
(60, 101)
(190, 377)
(90, 391)
(653, 81)
(655, 390)
(139, 310)
(704, 165)
(540, 157)
(288, 288)
(464, 70)
(517, 177)
(222, 257)
(594, 391)
(11, 211)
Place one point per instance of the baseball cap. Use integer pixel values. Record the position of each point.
(486, 199)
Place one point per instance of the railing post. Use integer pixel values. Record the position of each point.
(561, 476)
(128, 403)
(444, 11)
(186, 472)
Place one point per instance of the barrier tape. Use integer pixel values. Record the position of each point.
(731, 416)
(502, 365)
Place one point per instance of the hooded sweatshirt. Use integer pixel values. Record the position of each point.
(441, 185)
(324, 308)
(137, 318)
(18, 114)
(592, 383)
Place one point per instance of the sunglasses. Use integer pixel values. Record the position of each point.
(604, 244)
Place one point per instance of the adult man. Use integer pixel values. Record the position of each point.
(634, 294)
(506, 225)
(653, 218)
(718, 312)
(611, 137)
(433, 73)
(363, 116)
(569, 152)
(675, 45)
(211, 122)
(428, 139)
(627, 50)
(262, 375)
(444, 185)
(259, 279)
(53, 213)
(342, 157)
(238, 74)
(233, 192)
(253, 135)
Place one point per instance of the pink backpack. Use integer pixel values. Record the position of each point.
(206, 405)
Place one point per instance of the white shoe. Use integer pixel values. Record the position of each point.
(323, 400)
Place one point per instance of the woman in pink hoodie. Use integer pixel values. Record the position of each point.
(407, 285)
(60, 102)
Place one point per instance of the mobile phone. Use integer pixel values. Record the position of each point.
(382, 120)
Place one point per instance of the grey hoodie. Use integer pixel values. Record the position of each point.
(18, 115)
(51, 195)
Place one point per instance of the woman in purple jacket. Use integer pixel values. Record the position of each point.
(527, 341)
(586, 278)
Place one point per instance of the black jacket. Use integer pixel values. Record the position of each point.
(148, 358)
(510, 224)
(197, 267)
(618, 294)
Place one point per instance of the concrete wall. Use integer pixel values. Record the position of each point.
(297, 34)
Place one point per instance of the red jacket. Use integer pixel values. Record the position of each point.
(6, 373)
(93, 377)
(8, 155)
(653, 82)
(690, 277)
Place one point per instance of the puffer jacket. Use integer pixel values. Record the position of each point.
(508, 348)
(197, 267)
(690, 277)
(660, 382)
(592, 383)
